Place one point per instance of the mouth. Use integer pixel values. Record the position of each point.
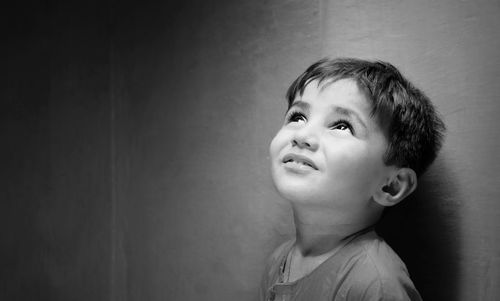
(300, 160)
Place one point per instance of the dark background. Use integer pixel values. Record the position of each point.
(135, 142)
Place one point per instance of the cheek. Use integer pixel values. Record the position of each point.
(277, 144)
(358, 169)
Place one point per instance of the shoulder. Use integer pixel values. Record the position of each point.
(375, 272)
(272, 268)
(280, 251)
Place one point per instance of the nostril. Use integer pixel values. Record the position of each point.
(296, 142)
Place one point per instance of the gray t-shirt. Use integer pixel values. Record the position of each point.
(365, 268)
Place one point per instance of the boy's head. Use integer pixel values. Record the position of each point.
(362, 122)
(413, 129)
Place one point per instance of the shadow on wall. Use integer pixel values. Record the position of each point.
(425, 232)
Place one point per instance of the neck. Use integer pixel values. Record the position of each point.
(321, 230)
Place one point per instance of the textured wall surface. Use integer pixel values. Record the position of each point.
(136, 139)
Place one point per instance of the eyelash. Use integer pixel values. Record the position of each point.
(295, 116)
(344, 122)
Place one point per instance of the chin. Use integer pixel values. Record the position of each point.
(295, 191)
(290, 186)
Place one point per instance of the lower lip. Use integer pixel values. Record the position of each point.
(298, 167)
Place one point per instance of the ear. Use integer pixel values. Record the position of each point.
(402, 182)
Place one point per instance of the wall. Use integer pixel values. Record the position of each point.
(151, 125)
(55, 128)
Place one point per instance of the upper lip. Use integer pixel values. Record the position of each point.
(299, 158)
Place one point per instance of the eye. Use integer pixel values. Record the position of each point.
(295, 117)
(342, 125)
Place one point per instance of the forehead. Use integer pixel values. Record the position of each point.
(342, 92)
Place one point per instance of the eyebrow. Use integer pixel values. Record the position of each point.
(349, 113)
(335, 109)
(300, 104)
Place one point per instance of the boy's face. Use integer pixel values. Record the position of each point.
(330, 150)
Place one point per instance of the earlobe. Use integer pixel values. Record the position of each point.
(402, 183)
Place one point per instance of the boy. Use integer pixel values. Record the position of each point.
(356, 136)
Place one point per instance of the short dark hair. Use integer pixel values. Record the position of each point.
(413, 128)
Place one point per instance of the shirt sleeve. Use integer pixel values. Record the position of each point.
(379, 290)
(377, 278)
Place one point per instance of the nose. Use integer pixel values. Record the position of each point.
(305, 138)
